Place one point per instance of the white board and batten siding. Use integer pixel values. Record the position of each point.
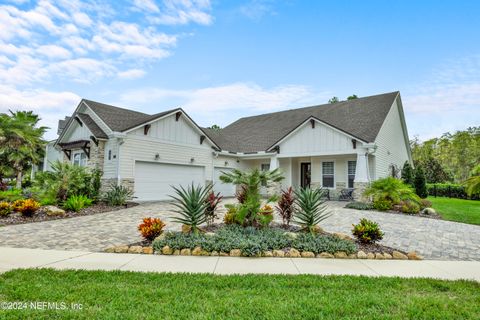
(320, 140)
(391, 145)
(77, 132)
(182, 159)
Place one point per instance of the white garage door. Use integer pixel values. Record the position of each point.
(225, 189)
(153, 181)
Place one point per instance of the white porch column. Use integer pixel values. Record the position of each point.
(361, 170)
(274, 162)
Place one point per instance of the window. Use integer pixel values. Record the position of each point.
(328, 174)
(352, 166)
(80, 159)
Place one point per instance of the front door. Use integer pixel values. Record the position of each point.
(305, 174)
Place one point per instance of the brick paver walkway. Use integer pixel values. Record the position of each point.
(434, 239)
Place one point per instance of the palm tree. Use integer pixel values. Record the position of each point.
(472, 184)
(21, 141)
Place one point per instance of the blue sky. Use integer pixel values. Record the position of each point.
(221, 60)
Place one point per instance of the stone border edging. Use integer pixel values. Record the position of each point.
(291, 253)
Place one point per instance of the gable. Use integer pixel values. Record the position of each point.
(169, 129)
(316, 140)
(76, 132)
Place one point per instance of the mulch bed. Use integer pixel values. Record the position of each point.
(39, 216)
(373, 247)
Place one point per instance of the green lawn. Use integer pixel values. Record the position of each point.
(127, 295)
(460, 210)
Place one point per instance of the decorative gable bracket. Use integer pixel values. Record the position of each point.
(94, 140)
(312, 122)
(68, 153)
(202, 138)
(177, 115)
(146, 128)
(79, 121)
(277, 149)
(354, 143)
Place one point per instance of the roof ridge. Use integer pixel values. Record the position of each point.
(313, 106)
(112, 106)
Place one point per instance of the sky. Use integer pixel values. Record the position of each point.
(222, 60)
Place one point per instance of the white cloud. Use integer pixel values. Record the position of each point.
(54, 51)
(146, 5)
(131, 74)
(179, 12)
(449, 100)
(236, 96)
(52, 106)
(257, 9)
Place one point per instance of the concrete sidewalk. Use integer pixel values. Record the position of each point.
(13, 258)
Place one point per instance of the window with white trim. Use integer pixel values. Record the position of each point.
(352, 166)
(264, 167)
(328, 172)
(79, 159)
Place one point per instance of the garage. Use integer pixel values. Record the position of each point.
(153, 181)
(225, 189)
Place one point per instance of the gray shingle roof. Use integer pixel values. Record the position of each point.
(361, 118)
(92, 126)
(121, 119)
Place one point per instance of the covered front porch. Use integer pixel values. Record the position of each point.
(334, 172)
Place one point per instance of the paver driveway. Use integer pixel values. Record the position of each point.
(434, 239)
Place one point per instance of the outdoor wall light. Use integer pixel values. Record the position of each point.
(157, 156)
(192, 159)
(226, 163)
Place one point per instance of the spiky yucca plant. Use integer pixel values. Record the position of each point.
(191, 204)
(310, 208)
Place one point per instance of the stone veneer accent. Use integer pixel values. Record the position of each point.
(359, 189)
(275, 188)
(97, 155)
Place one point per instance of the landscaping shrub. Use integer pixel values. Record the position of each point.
(449, 190)
(367, 231)
(5, 208)
(382, 204)
(117, 195)
(151, 228)
(65, 181)
(265, 216)
(248, 209)
(191, 204)
(229, 217)
(424, 203)
(359, 205)
(76, 203)
(252, 241)
(310, 208)
(11, 195)
(420, 183)
(408, 174)
(212, 202)
(26, 207)
(285, 205)
(409, 207)
(390, 189)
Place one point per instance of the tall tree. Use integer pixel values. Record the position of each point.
(215, 127)
(334, 100)
(21, 141)
(408, 174)
(420, 183)
(352, 97)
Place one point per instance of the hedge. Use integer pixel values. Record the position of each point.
(449, 190)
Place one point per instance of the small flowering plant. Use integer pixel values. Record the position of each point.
(151, 228)
(26, 207)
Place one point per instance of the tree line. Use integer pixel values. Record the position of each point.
(453, 157)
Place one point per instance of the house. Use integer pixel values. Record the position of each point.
(336, 146)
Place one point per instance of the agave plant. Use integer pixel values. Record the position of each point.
(310, 208)
(191, 204)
